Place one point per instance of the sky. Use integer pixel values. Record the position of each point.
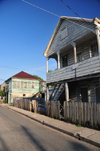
(26, 30)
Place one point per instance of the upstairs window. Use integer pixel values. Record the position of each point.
(32, 84)
(64, 33)
(25, 84)
(14, 84)
(94, 49)
(18, 84)
(65, 61)
(79, 57)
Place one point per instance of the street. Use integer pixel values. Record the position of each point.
(19, 133)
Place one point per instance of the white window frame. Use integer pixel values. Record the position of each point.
(34, 84)
(23, 84)
(13, 84)
(20, 84)
(64, 33)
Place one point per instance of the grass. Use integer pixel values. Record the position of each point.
(78, 125)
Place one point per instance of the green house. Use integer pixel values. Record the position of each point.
(23, 85)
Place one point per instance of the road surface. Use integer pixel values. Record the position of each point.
(19, 133)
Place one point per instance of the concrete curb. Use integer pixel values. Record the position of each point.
(60, 130)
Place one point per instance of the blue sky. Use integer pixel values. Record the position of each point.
(25, 32)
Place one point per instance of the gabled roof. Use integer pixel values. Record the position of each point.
(68, 19)
(24, 75)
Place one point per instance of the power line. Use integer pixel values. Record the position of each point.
(72, 9)
(23, 69)
(41, 8)
(58, 16)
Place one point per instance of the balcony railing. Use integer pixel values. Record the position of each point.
(83, 68)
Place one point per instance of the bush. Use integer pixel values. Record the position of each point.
(4, 101)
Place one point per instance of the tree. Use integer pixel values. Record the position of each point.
(38, 77)
(2, 92)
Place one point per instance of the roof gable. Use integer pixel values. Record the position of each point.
(24, 75)
(69, 19)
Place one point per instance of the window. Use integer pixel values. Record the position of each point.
(79, 57)
(97, 93)
(18, 84)
(84, 94)
(94, 49)
(64, 33)
(25, 84)
(32, 84)
(14, 84)
(65, 61)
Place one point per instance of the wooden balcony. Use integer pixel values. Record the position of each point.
(87, 67)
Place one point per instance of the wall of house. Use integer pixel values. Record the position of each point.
(75, 90)
(84, 49)
(10, 92)
(22, 89)
(2, 86)
(74, 32)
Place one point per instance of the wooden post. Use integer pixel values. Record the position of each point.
(58, 54)
(74, 46)
(98, 40)
(47, 94)
(66, 91)
(47, 65)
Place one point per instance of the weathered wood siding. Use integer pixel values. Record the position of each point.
(75, 91)
(86, 67)
(87, 114)
(74, 31)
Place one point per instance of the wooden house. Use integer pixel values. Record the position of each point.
(22, 85)
(75, 45)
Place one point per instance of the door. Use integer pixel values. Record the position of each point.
(84, 94)
(97, 94)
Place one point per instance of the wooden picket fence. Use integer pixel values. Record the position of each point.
(26, 104)
(87, 114)
(53, 109)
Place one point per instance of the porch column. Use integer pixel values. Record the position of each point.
(75, 57)
(46, 64)
(58, 54)
(66, 91)
(98, 39)
(47, 94)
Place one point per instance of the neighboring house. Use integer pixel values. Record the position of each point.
(2, 86)
(22, 85)
(75, 45)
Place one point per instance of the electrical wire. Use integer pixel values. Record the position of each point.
(23, 69)
(71, 9)
(41, 8)
(58, 16)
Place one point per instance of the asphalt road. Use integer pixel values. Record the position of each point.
(19, 133)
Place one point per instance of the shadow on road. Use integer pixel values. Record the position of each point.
(33, 139)
(3, 145)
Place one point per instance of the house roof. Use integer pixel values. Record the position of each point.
(68, 19)
(24, 75)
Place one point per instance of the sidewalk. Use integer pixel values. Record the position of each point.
(85, 134)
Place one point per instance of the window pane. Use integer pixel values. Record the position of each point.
(18, 84)
(25, 84)
(14, 84)
(79, 57)
(64, 61)
(94, 49)
(32, 84)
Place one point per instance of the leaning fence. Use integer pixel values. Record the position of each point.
(30, 105)
(87, 114)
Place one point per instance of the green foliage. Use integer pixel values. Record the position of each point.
(2, 92)
(4, 101)
(38, 77)
(49, 70)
